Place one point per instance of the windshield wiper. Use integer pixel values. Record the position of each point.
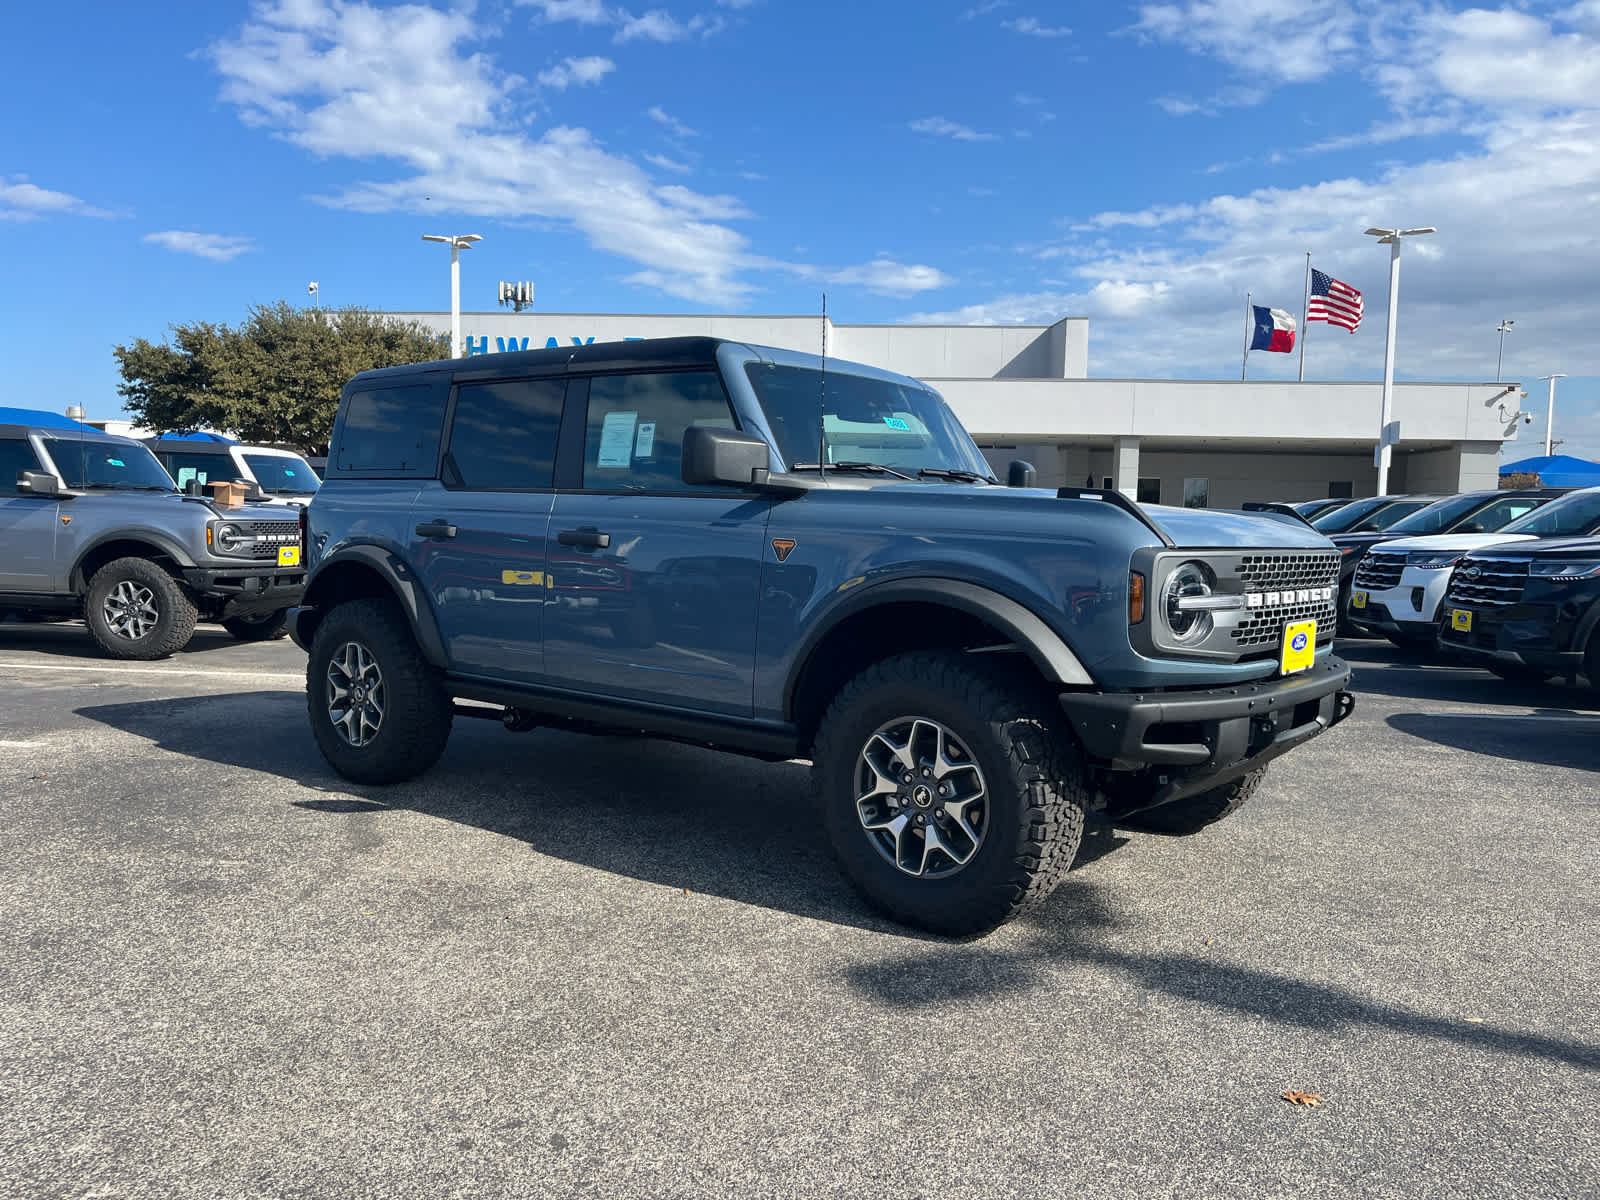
(124, 487)
(952, 473)
(850, 466)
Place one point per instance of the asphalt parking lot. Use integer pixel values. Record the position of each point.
(567, 966)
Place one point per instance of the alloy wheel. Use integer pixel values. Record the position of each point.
(921, 797)
(355, 694)
(130, 610)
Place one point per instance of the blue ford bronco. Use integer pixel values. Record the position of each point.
(779, 555)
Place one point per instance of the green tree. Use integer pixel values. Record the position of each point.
(1521, 479)
(275, 379)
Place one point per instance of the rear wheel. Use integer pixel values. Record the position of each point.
(135, 610)
(378, 709)
(951, 793)
(1194, 813)
(262, 627)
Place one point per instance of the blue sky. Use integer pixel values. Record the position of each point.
(1143, 164)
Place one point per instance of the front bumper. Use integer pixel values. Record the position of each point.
(1198, 739)
(1530, 634)
(248, 589)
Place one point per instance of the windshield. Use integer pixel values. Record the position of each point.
(96, 463)
(1569, 516)
(283, 473)
(1436, 518)
(1341, 519)
(899, 425)
(184, 466)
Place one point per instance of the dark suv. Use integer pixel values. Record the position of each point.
(763, 552)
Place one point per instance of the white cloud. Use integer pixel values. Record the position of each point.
(889, 278)
(23, 201)
(1267, 39)
(584, 12)
(1033, 27)
(940, 127)
(667, 164)
(347, 80)
(661, 116)
(657, 25)
(590, 69)
(215, 246)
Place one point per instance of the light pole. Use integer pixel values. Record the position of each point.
(457, 243)
(1505, 328)
(1550, 414)
(1393, 237)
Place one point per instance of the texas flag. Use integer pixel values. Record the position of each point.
(1274, 330)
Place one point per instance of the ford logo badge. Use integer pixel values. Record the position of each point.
(1298, 642)
(1470, 573)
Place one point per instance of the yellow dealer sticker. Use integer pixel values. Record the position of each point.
(1461, 618)
(1358, 599)
(288, 556)
(1299, 646)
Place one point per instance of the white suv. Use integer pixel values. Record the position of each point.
(282, 475)
(1399, 585)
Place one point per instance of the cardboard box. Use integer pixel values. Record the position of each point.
(228, 493)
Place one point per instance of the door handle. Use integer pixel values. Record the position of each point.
(439, 528)
(586, 537)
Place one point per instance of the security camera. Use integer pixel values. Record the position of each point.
(1527, 418)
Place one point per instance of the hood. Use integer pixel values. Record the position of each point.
(1575, 547)
(1200, 527)
(1360, 539)
(1456, 541)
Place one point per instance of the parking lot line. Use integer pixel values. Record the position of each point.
(158, 672)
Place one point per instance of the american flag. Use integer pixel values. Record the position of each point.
(1334, 302)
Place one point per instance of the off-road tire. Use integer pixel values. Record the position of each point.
(1191, 815)
(1035, 788)
(1517, 672)
(417, 711)
(176, 611)
(264, 628)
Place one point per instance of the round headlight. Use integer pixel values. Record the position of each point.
(1191, 580)
(230, 538)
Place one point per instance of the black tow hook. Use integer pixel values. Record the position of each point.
(519, 720)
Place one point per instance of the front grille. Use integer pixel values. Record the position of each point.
(1488, 582)
(1380, 570)
(1280, 580)
(270, 535)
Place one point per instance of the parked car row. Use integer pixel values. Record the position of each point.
(1507, 578)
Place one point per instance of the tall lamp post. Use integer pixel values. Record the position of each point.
(457, 243)
(1505, 328)
(1385, 436)
(1550, 414)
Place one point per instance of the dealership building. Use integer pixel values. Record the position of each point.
(1024, 391)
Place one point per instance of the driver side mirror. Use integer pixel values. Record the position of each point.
(40, 483)
(712, 455)
(1471, 527)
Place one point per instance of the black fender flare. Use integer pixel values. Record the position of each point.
(1048, 652)
(168, 545)
(402, 582)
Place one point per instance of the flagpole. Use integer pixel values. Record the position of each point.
(1305, 318)
(1245, 366)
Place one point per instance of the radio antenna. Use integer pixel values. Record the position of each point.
(822, 396)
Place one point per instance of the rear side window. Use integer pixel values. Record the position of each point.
(503, 435)
(202, 468)
(391, 430)
(16, 455)
(634, 437)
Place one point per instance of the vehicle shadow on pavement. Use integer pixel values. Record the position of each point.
(1076, 928)
(69, 639)
(662, 813)
(1555, 737)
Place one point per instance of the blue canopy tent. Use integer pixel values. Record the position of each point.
(198, 437)
(39, 417)
(1557, 470)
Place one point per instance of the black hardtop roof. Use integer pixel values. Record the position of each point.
(89, 433)
(188, 447)
(596, 356)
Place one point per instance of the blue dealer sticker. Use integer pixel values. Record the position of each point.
(896, 423)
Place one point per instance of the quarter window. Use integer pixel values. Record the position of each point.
(634, 436)
(503, 435)
(16, 456)
(391, 431)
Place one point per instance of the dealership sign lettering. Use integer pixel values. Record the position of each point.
(480, 345)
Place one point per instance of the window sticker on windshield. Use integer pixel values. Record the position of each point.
(897, 423)
(116, 462)
(288, 472)
(646, 445)
(616, 439)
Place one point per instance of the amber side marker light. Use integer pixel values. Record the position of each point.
(1135, 598)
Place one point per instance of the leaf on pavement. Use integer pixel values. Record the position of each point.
(1305, 1099)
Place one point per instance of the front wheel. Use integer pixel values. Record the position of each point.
(262, 627)
(951, 793)
(378, 709)
(135, 610)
